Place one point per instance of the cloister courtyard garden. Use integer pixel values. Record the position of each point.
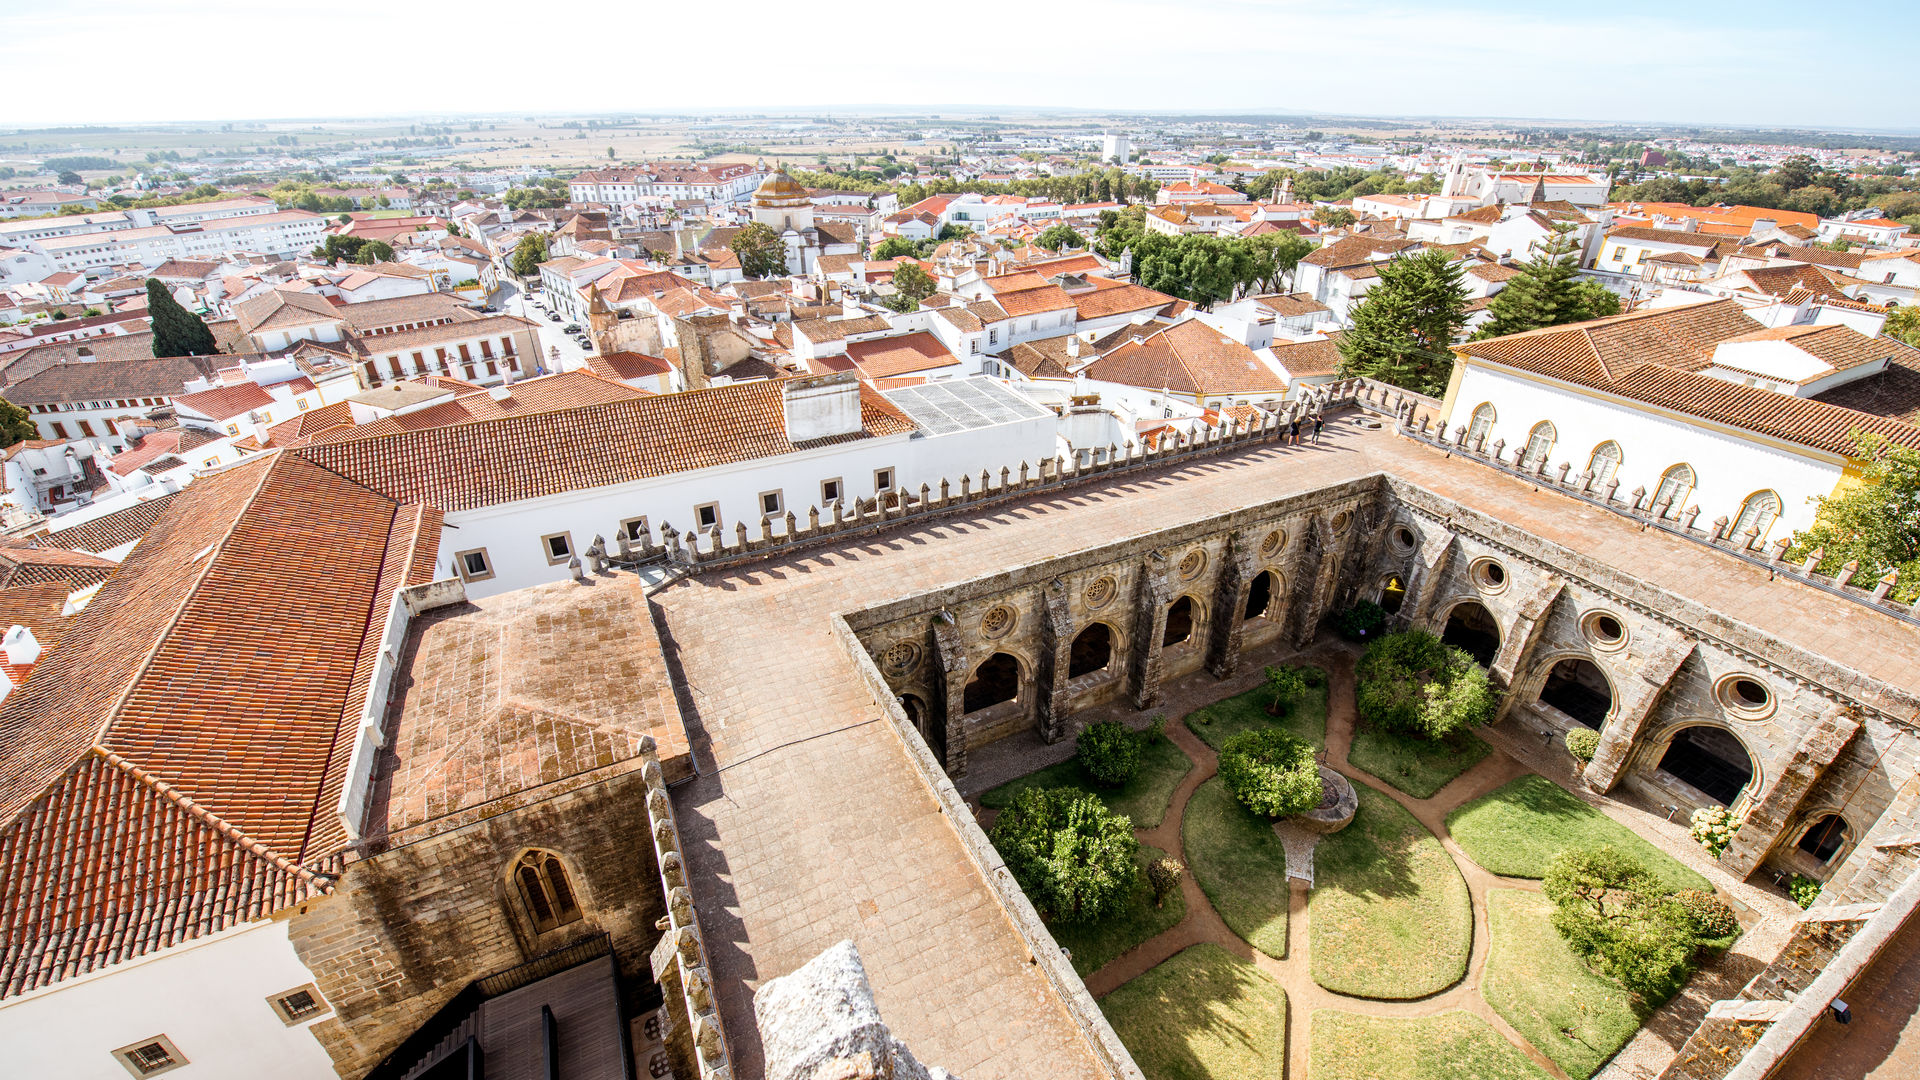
(1330, 867)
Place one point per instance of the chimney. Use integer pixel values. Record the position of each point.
(822, 406)
(20, 646)
(1073, 345)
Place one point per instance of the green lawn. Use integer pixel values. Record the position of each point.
(1391, 917)
(1451, 1045)
(1222, 720)
(1517, 830)
(1144, 798)
(1204, 1014)
(1419, 767)
(1240, 864)
(1096, 944)
(1567, 1011)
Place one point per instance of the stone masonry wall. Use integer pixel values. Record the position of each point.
(407, 929)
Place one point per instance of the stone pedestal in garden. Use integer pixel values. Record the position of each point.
(1337, 805)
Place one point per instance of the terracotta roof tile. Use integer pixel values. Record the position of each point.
(489, 462)
(112, 530)
(1187, 358)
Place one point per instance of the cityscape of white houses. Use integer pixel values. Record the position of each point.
(384, 534)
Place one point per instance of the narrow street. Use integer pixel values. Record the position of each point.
(509, 299)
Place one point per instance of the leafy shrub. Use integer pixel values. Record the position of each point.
(1271, 772)
(1412, 684)
(1712, 827)
(1072, 856)
(1286, 683)
(1164, 875)
(1611, 911)
(1360, 622)
(1582, 742)
(1710, 916)
(1110, 751)
(1804, 890)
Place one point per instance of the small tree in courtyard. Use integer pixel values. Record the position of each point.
(1110, 751)
(1073, 857)
(1271, 772)
(1613, 912)
(1412, 683)
(1286, 683)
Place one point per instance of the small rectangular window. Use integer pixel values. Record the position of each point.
(882, 480)
(706, 516)
(150, 1057)
(637, 529)
(559, 547)
(772, 503)
(830, 491)
(300, 404)
(473, 564)
(298, 1006)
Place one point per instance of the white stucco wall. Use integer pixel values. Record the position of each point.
(208, 996)
(1728, 467)
(511, 533)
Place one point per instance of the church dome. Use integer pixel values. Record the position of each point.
(779, 189)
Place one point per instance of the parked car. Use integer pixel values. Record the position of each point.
(574, 328)
(553, 318)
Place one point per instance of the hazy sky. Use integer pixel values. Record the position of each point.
(1759, 62)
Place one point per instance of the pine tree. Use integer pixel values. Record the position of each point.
(15, 424)
(176, 331)
(1541, 294)
(1403, 329)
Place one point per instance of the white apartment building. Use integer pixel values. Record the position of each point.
(621, 187)
(282, 233)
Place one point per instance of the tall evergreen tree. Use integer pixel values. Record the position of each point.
(1404, 328)
(1542, 293)
(176, 331)
(15, 424)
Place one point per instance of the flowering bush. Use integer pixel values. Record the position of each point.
(1713, 828)
(1583, 742)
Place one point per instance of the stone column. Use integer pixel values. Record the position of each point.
(1316, 572)
(1050, 677)
(1767, 814)
(1429, 569)
(1638, 697)
(1238, 565)
(1149, 626)
(1516, 646)
(951, 656)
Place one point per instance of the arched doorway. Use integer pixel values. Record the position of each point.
(1472, 627)
(1825, 838)
(1260, 595)
(997, 679)
(932, 732)
(1179, 622)
(1576, 686)
(1091, 651)
(1711, 760)
(1393, 593)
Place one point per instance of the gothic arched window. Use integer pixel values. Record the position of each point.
(1675, 485)
(545, 890)
(1758, 513)
(1604, 463)
(1539, 444)
(1481, 424)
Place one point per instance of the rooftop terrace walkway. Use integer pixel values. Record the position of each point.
(816, 827)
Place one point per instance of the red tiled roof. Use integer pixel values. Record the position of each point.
(112, 530)
(1654, 357)
(165, 773)
(224, 402)
(905, 355)
(489, 462)
(1187, 358)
